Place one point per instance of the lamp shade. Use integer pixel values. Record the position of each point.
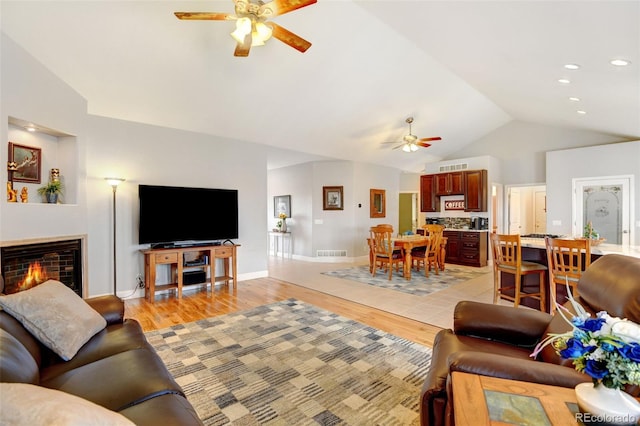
(114, 181)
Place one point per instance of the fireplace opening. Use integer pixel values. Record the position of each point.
(25, 266)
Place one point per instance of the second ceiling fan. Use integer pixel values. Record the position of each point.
(410, 142)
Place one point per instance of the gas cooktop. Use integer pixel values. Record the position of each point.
(540, 236)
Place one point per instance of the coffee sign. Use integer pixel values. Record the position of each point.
(454, 205)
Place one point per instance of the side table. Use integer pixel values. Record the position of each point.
(279, 240)
(483, 400)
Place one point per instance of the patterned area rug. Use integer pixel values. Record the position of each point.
(293, 363)
(419, 285)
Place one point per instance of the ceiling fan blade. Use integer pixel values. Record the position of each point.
(437, 138)
(205, 16)
(280, 7)
(423, 144)
(288, 37)
(399, 146)
(242, 49)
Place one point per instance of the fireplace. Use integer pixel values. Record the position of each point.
(27, 265)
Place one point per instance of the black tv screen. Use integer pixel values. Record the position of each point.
(172, 214)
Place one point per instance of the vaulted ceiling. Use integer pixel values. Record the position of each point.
(462, 69)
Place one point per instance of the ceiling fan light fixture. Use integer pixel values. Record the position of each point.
(243, 27)
(262, 33)
(410, 147)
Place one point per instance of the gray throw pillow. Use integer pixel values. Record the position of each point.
(56, 316)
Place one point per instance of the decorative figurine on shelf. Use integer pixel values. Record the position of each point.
(24, 194)
(12, 194)
(55, 175)
(282, 223)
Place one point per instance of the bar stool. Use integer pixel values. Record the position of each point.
(507, 258)
(567, 259)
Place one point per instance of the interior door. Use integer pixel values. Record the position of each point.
(605, 203)
(408, 214)
(540, 212)
(514, 211)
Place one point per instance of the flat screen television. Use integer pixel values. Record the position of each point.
(173, 215)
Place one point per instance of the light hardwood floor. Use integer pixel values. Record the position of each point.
(167, 310)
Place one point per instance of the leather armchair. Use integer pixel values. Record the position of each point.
(497, 340)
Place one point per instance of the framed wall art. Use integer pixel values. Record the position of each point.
(377, 203)
(282, 204)
(332, 198)
(29, 163)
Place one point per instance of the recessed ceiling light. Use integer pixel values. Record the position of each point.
(572, 66)
(564, 81)
(30, 128)
(581, 112)
(620, 62)
(574, 99)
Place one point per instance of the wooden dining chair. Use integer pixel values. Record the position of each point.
(566, 260)
(430, 255)
(426, 230)
(384, 252)
(507, 258)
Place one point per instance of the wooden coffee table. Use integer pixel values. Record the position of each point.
(483, 400)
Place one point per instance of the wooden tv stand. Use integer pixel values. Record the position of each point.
(184, 259)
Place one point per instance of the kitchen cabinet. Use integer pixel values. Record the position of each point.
(428, 200)
(449, 183)
(475, 191)
(453, 246)
(466, 247)
(470, 183)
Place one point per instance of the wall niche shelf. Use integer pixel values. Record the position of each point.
(57, 150)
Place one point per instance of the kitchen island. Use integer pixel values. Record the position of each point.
(534, 250)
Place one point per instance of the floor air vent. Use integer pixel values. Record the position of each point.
(454, 167)
(331, 253)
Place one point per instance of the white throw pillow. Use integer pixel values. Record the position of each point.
(25, 404)
(56, 316)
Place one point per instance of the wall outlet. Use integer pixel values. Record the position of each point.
(140, 281)
(556, 222)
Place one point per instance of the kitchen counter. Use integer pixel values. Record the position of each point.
(601, 249)
(469, 230)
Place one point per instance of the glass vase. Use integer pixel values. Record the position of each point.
(604, 405)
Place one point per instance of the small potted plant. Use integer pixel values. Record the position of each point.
(51, 191)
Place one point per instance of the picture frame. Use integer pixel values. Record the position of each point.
(29, 160)
(332, 198)
(377, 203)
(281, 204)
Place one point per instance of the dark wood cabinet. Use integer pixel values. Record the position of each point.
(475, 191)
(449, 183)
(467, 247)
(472, 184)
(428, 200)
(453, 246)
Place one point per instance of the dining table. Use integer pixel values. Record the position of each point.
(406, 242)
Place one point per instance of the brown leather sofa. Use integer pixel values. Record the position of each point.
(117, 369)
(496, 340)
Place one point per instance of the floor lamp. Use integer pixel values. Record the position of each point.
(114, 182)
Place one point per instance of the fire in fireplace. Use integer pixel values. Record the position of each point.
(25, 266)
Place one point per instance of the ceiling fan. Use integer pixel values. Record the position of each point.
(410, 142)
(252, 28)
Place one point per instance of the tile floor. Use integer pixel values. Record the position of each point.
(435, 308)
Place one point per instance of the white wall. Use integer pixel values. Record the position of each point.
(316, 229)
(598, 161)
(145, 154)
(521, 148)
(31, 92)
(141, 154)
